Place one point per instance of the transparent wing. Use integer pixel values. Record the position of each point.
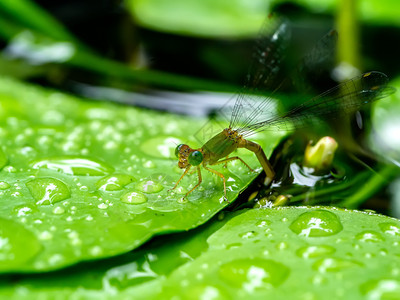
(342, 99)
(316, 64)
(263, 74)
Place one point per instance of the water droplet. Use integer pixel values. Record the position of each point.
(316, 223)
(383, 252)
(233, 245)
(369, 236)
(133, 198)
(95, 251)
(248, 235)
(10, 169)
(102, 206)
(58, 210)
(150, 186)
(282, 246)
(264, 223)
(180, 190)
(74, 165)
(254, 274)
(315, 251)
(390, 228)
(381, 289)
(45, 235)
(25, 210)
(332, 264)
(114, 182)
(4, 185)
(55, 259)
(14, 250)
(369, 255)
(318, 279)
(182, 200)
(149, 164)
(48, 190)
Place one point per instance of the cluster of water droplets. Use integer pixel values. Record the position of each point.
(317, 248)
(66, 164)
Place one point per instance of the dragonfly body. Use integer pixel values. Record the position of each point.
(215, 152)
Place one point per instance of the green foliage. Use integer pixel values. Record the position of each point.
(265, 253)
(221, 18)
(201, 18)
(85, 180)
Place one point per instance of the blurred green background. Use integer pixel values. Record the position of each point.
(181, 45)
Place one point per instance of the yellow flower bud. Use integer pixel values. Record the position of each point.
(320, 156)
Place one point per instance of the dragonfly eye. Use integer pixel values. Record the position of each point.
(178, 149)
(195, 158)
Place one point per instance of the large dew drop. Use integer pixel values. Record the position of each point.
(390, 228)
(74, 165)
(134, 198)
(369, 236)
(333, 264)
(48, 190)
(4, 185)
(315, 251)
(254, 274)
(316, 223)
(150, 186)
(384, 288)
(114, 182)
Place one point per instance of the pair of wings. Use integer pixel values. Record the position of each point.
(252, 113)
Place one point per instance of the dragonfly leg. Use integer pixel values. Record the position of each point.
(198, 183)
(262, 158)
(226, 160)
(219, 175)
(183, 175)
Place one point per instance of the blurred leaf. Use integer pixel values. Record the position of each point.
(384, 138)
(369, 11)
(221, 18)
(37, 49)
(89, 179)
(258, 254)
(30, 15)
(210, 18)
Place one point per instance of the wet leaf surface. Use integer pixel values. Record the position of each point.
(88, 180)
(261, 253)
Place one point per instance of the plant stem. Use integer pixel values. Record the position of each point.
(372, 186)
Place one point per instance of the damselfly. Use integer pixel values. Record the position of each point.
(344, 98)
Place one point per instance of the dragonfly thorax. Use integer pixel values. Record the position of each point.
(232, 134)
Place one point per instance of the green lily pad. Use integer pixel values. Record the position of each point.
(295, 253)
(258, 254)
(77, 177)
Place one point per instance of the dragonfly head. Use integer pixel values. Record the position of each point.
(188, 156)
